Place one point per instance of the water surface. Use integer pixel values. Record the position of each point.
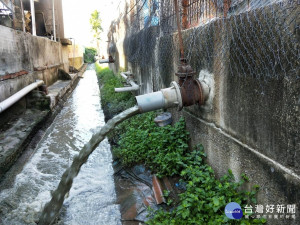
(91, 199)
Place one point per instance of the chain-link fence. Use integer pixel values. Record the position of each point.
(256, 38)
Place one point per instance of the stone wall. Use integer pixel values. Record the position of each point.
(250, 124)
(39, 57)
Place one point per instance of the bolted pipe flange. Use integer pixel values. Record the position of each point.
(191, 89)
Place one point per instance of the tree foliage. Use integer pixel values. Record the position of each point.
(95, 22)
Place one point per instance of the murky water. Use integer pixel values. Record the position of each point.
(91, 199)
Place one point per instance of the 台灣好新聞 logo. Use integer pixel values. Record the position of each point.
(233, 210)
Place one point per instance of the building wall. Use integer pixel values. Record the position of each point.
(250, 124)
(38, 56)
(46, 8)
(75, 55)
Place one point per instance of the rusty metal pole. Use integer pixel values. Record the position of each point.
(53, 19)
(185, 22)
(226, 6)
(179, 29)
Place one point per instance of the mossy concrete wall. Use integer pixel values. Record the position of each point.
(250, 124)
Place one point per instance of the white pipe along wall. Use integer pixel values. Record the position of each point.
(32, 17)
(20, 94)
(129, 80)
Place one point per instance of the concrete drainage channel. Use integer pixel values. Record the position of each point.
(23, 131)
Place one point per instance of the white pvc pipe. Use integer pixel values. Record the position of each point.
(163, 99)
(104, 61)
(134, 86)
(23, 17)
(123, 75)
(124, 89)
(53, 15)
(20, 94)
(33, 17)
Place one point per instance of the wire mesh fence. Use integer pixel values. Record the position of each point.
(256, 38)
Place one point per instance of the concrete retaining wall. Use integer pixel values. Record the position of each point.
(250, 124)
(39, 56)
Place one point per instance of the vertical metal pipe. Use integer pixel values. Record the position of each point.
(179, 29)
(23, 20)
(206, 9)
(53, 15)
(184, 13)
(13, 15)
(201, 11)
(32, 17)
(209, 15)
(226, 6)
(216, 8)
(74, 56)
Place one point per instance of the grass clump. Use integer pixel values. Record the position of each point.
(112, 103)
(159, 148)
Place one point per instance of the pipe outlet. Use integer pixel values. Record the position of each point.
(129, 80)
(174, 96)
(109, 60)
(163, 99)
(188, 91)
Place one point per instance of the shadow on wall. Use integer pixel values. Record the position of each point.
(112, 45)
(113, 51)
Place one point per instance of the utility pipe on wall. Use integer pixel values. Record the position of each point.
(20, 94)
(129, 80)
(23, 17)
(163, 99)
(33, 17)
(174, 96)
(109, 60)
(53, 15)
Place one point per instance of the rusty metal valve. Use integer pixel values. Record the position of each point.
(192, 90)
(188, 91)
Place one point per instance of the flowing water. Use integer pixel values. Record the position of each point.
(92, 196)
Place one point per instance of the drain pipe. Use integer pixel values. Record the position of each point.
(174, 96)
(32, 11)
(188, 91)
(20, 94)
(163, 99)
(109, 60)
(129, 80)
